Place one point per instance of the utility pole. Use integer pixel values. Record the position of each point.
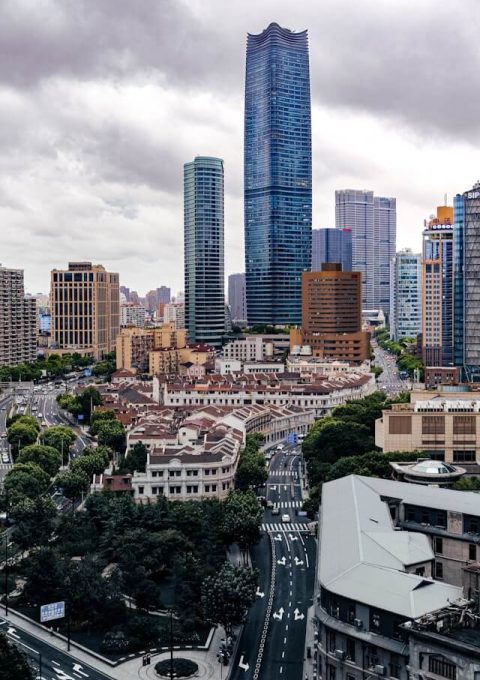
(171, 645)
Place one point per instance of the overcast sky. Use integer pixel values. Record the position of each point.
(102, 101)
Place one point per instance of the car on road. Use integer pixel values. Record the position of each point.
(40, 415)
(270, 504)
(285, 518)
(275, 510)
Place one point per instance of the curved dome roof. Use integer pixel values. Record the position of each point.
(433, 467)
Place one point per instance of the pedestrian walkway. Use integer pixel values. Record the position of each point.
(275, 528)
(282, 473)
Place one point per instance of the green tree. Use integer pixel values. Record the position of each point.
(112, 434)
(73, 483)
(335, 438)
(227, 596)
(135, 459)
(252, 468)
(34, 521)
(467, 484)
(24, 420)
(99, 417)
(88, 399)
(61, 438)
(92, 464)
(20, 435)
(25, 480)
(47, 457)
(242, 519)
(14, 662)
(45, 572)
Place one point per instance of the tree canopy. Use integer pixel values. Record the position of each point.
(46, 457)
(227, 595)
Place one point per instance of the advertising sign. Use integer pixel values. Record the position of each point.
(52, 611)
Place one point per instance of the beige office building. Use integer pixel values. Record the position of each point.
(18, 320)
(443, 426)
(85, 303)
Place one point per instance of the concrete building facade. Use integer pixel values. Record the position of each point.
(18, 320)
(332, 315)
(438, 289)
(237, 298)
(132, 315)
(85, 303)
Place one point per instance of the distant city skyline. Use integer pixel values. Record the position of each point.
(94, 144)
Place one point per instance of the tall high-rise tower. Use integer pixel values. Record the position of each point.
(18, 320)
(471, 288)
(373, 221)
(278, 174)
(438, 289)
(332, 245)
(406, 295)
(204, 250)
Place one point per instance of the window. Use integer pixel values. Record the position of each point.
(192, 488)
(464, 456)
(433, 425)
(351, 613)
(420, 571)
(472, 551)
(140, 490)
(375, 620)
(330, 640)
(438, 545)
(440, 666)
(395, 666)
(439, 570)
(464, 425)
(350, 649)
(400, 425)
(371, 656)
(175, 489)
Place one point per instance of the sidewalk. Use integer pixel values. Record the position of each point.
(309, 662)
(208, 665)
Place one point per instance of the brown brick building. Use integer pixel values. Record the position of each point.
(332, 315)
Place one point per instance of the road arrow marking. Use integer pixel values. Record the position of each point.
(12, 633)
(297, 561)
(292, 538)
(241, 664)
(285, 487)
(62, 675)
(298, 616)
(78, 669)
(278, 537)
(283, 561)
(279, 616)
(258, 593)
(273, 487)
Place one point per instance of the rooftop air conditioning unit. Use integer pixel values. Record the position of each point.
(379, 670)
(358, 623)
(340, 654)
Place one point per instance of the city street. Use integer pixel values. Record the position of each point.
(273, 638)
(55, 664)
(389, 381)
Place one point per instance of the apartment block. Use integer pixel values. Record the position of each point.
(85, 304)
(406, 295)
(133, 347)
(18, 320)
(132, 314)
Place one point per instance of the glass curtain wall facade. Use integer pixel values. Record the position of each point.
(471, 287)
(459, 218)
(331, 245)
(406, 298)
(278, 174)
(373, 222)
(204, 250)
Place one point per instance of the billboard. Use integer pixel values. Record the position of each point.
(52, 611)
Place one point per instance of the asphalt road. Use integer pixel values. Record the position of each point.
(55, 664)
(273, 638)
(389, 381)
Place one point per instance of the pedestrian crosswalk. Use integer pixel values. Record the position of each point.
(282, 473)
(286, 526)
(5, 466)
(288, 504)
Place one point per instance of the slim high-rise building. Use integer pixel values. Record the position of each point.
(163, 295)
(278, 174)
(85, 301)
(438, 289)
(458, 296)
(332, 245)
(471, 287)
(373, 221)
(18, 320)
(237, 297)
(204, 250)
(406, 295)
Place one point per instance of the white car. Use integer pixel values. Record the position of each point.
(285, 518)
(40, 416)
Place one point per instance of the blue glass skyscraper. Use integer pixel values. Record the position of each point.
(278, 174)
(331, 245)
(204, 250)
(459, 219)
